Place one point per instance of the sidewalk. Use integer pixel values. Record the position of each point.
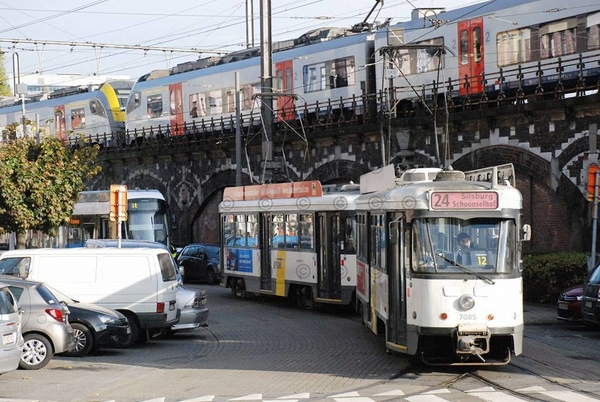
(539, 313)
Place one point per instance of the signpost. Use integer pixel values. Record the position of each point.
(118, 207)
(592, 195)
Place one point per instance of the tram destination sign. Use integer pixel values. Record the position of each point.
(463, 200)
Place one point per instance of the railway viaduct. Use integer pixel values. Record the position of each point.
(550, 141)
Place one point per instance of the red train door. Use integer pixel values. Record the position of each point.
(60, 128)
(285, 84)
(470, 56)
(176, 108)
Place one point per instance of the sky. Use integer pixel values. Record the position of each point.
(216, 25)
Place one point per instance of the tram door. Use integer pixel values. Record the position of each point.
(328, 264)
(396, 258)
(470, 56)
(265, 252)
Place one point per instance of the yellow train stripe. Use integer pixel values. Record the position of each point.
(113, 103)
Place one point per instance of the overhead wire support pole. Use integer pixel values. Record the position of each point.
(266, 84)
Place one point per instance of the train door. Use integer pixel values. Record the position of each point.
(265, 252)
(471, 56)
(60, 128)
(328, 257)
(285, 84)
(396, 258)
(176, 108)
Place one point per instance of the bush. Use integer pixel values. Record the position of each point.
(546, 275)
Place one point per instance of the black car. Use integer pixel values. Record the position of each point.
(200, 262)
(94, 326)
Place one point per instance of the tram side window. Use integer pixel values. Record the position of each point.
(291, 231)
(252, 230)
(350, 235)
(278, 231)
(240, 230)
(362, 235)
(593, 31)
(306, 231)
(513, 47)
(228, 230)
(378, 240)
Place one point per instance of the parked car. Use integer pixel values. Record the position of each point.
(45, 322)
(11, 340)
(590, 307)
(569, 304)
(191, 303)
(200, 262)
(94, 326)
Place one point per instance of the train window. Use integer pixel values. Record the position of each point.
(240, 230)
(279, 80)
(230, 100)
(134, 102)
(77, 118)
(336, 73)
(311, 82)
(593, 31)
(252, 230)
(558, 38)
(278, 230)
(349, 235)
(154, 106)
(464, 47)
(477, 55)
(97, 108)
(215, 102)
(288, 80)
(228, 230)
(513, 47)
(427, 59)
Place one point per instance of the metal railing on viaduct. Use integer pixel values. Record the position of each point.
(547, 129)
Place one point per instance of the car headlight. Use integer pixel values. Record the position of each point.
(107, 319)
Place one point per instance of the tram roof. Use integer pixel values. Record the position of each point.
(341, 201)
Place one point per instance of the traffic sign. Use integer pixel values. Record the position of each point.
(591, 184)
(118, 202)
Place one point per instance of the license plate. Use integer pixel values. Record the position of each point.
(8, 339)
(563, 306)
(588, 304)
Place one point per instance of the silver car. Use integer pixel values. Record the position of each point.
(45, 325)
(194, 312)
(11, 339)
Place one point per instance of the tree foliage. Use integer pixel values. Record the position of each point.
(4, 87)
(40, 182)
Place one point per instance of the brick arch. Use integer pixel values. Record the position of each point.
(338, 171)
(556, 212)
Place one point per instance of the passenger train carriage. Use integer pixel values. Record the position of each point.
(289, 240)
(94, 112)
(472, 45)
(414, 284)
(202, 93)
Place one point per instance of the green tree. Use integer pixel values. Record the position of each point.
(39, 183)
(4, 87)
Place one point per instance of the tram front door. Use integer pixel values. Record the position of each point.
(397, 257)
(328, 264)
(265, 257)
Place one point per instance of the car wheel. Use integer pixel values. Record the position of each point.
(36, 352)
(211, 277)
(84, 340)
(135, 330)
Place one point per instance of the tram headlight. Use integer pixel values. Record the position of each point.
(466, 302)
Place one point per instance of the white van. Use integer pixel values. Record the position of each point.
(138, 282)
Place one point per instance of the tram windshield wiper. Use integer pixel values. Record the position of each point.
(464, 269)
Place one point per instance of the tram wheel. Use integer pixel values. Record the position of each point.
(305, 298)
(239, 288)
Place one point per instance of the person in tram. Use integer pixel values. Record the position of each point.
(463, 256)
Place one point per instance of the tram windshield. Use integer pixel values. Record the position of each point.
(451, 245)
(147, 220)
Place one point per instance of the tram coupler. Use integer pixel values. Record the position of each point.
(473, 339)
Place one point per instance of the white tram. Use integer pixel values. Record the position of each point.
(410, 285)
(289, 240)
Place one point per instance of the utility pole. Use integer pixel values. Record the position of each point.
(249, 24)
(266, 83)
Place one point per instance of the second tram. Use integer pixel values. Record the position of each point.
(432, 299)
(289, 240)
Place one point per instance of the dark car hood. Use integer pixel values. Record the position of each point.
(573, 291)
(93, 307)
